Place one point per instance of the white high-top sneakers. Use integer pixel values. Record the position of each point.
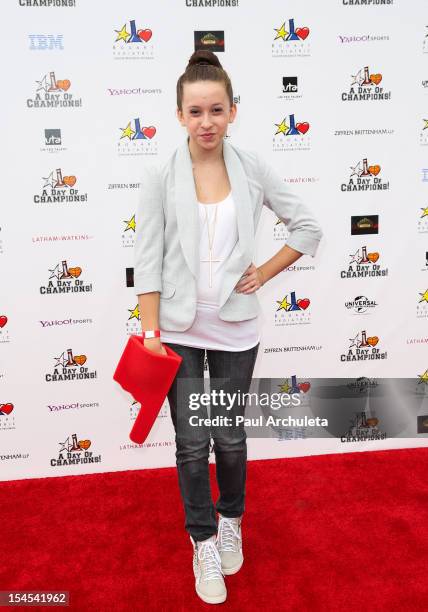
(229, 544)
(209, 581)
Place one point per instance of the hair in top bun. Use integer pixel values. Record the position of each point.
(203, 65)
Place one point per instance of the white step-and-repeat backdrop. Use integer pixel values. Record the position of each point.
(335, 96)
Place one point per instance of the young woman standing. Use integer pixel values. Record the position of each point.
(196, 286)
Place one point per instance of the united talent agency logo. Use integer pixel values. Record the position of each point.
(70, 367)
(128, 232)
(291, 41)
(65, 279)
(133, 324)
(422, 305)
(137, 139)
(53, 93)
(59, 189)
(365, 177)
(364, 224)
(363, 264)
(52, 141)
(361, 305)
(213, 40)
(7, 416)
(131, 42)
(291, 135)
(363, 348)
(46, 42)
(292, 310)
(4, 330)
(289, 88)
(365, 86)
(74, 452)
(423, 137)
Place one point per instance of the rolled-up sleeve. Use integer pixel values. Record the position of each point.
(304, 230)
(149, 233)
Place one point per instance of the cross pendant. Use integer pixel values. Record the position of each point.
(210, 261)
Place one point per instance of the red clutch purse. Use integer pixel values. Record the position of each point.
(147, 376)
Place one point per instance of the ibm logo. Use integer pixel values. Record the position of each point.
(45, 42)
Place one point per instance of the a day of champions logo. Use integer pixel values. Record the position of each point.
(422, 306)
(291, 136)
(70, 367)
(137, 139)
(364, 177)
(131, 42)
(291, 41)
(53, 93)
(7, 416)
(74, 452)
(365, 86)
(363, 427)
(65, 279)
(363, 264)
(59, 189)
(362, 348)
(293, 312)
(423, 137)
(133, 324)
(360, 304)
(128, 232)
(4, 329)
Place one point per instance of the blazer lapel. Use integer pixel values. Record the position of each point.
(188, 215)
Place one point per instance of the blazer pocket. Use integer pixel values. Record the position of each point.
(168, 290)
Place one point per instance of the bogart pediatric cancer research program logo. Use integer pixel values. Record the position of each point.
(70, 367)
(293, 312)
(128, 232)
(365, 86)
(133, 324)
(422, 306)
(362, 348)
(364, 177)
(65, 279)
(363, 264)
(7, 416)
(289, 135)
(423, 138)
(59, 189)
(291, 41)
(53, 93)
(137, 139)
(4, 330)
(74, 452)
(132, 42)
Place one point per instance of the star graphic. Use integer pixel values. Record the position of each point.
(356, 169)
(285, 386)
(61, 360)
(355, 341)
(127, 132)
(122, 34)
(426, 124)
(281, 32)
(355, 258)
(282, 127)
(423, 378)
(135, 313)
(357, 78)
(283, 304)
(42, 84)
(424, 297)
(424, 212)
(65, 446)
(55, 273)
(130, 224)
(50, 181)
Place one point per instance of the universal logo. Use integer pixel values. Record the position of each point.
(53, 93)
(290, 135)
(59, 189)
(363, 348)
(4, 329)
(132, 42)
(74, 452)
(362, 384)
(65, 279)
(361, 305)
(7, 416)
(363, 264)
(364, 177)
(52, 141)
(293, 312)
(365, 86)
(70, 367)
(289, 89)
(137, 139)
(291, 40)
(128, 232)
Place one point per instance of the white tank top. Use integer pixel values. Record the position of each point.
(208, 330)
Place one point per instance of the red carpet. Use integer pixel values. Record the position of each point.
(331, 532)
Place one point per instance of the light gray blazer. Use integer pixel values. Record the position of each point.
(166, 253)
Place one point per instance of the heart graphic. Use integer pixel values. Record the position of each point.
(6, 408)
(80, 359)
(373, 257)
(64, 85)
(373, 340)
(75, 272)
(376, 78)
(302, 32)
(145, 34)
(305, 386)
(303, 127)
(85, 444)
(3, 320)
(372, 421)
(374, 170)
(69, 180)
(149, 131)
(303, 303)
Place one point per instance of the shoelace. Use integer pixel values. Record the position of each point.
(210, 559)
(228, 536)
